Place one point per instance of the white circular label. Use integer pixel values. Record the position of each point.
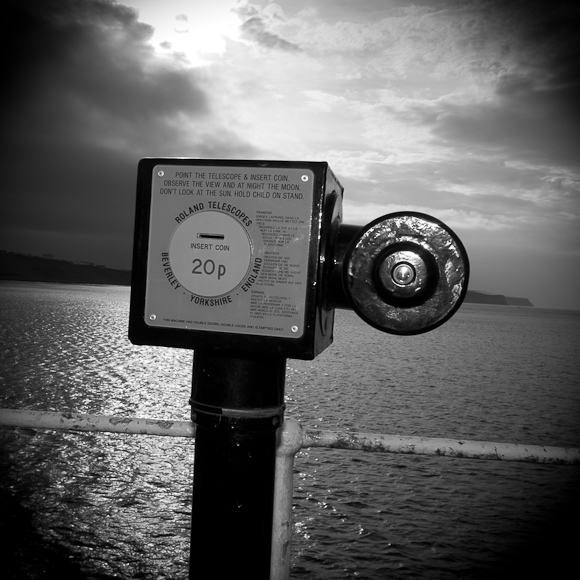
(210, 253)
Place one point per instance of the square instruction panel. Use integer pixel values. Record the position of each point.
(228, 249)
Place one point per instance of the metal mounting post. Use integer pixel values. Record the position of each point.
(237, 405)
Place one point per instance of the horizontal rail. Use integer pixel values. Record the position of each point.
(105, 423)
(442, 447)
(308, 437)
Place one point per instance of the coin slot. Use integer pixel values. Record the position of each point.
(211, 236)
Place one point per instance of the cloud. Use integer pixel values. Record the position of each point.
(85, 97)
(532, 112)
(85, 66)
(466, 110)
(255, 29)
(260, 26)
(532, 123)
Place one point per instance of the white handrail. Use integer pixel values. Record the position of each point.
(104, 423)
(462, 448)
(291, 438)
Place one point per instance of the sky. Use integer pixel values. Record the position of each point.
(468, 111)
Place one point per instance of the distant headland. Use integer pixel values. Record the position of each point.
(28, 268)
(475, 297)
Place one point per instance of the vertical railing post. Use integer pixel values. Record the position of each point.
(237, 405)
(289, 443)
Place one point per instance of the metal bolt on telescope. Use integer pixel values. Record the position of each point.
(245, 262)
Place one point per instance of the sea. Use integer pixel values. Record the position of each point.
(101, 506)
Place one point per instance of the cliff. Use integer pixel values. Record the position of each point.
(47, 269)
(475, 297)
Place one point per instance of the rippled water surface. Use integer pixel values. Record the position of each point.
(106, 505)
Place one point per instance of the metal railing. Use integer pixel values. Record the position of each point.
(442, 447)
(291, 438)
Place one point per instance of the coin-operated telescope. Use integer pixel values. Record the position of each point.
(245, 262)
(252, 257)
